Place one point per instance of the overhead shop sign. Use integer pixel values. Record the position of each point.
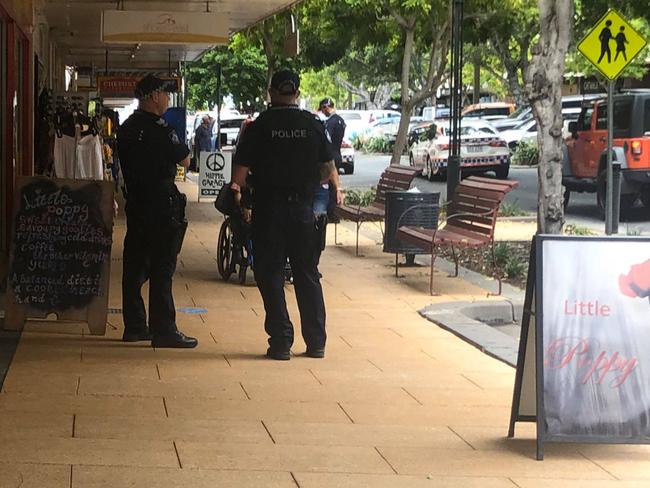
(156, 27)
(124, 86)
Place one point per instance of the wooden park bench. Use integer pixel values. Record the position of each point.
(393, 178)
(471, 219)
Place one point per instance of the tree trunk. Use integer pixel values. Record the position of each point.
(407, 107)
(476, 97)
(437, 62)
(544, 78)
(267, 43)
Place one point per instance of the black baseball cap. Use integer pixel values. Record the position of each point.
(326, 102)
(286, 82)
(150, 84)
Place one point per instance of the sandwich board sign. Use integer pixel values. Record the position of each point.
(60, 252)
(215, 170)
(588, 363)
(611, 44)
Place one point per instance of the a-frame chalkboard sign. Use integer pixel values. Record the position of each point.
(60, 252)
(583, 371)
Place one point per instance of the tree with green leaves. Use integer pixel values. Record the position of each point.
(243, 74)
(422, 24)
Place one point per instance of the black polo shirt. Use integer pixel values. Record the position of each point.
(284, 148)
(149, 150)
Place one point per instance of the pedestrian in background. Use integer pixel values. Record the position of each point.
(329, 193)
(155, 217)
(287, 154)
(203, 135)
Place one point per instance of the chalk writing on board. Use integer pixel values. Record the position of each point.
(60, 246)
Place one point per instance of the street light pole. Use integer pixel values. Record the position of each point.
(453, 163)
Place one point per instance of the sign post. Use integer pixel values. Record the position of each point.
(596, 46)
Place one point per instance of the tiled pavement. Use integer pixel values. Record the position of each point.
(397, 402)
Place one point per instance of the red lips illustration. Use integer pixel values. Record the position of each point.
(637, 282)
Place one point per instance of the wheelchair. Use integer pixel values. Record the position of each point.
(234, 253)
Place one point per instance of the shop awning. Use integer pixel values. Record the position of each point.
(75, 27)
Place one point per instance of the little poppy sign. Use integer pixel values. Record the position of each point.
(590, 352)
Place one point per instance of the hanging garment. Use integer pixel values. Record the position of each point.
(90, 164)
(64, 156)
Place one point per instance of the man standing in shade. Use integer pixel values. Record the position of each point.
(287, 152)
(155, 217)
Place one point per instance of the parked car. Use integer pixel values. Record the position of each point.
(347, 154)
(489, 111)
(517, 117)
(419, 139)
(230, 126)
(435, 113)
(584, 168)
(357, 121)
(380, 128)
(525, 131)
(482, 149)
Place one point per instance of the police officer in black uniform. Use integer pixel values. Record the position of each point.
(335, 125)
(155, 216)
(287, 152)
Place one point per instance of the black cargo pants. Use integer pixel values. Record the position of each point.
(150, 253)
(285, 227)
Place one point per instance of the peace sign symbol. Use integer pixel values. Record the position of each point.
(215, 162)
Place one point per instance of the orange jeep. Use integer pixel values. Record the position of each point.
(585, 154)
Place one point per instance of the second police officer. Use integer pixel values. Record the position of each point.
(287, 152)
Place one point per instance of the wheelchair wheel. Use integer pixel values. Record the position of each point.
(224, 250)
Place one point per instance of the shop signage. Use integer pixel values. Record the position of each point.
(124, 86)
(588, 361)
(180, 173)
(156, 27)
(60, 251)
(611, 44)
(215, 170)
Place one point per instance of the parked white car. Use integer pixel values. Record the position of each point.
(358, 121)
(525, 131)
(482, 149)
(347, 154)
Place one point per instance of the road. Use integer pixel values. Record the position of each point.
(582, 209)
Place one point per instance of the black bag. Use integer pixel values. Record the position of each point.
(225, 202)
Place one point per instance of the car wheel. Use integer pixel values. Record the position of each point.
(627, 200)
(349, 169)
(502, 171)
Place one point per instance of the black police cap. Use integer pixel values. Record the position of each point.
(150, 84)
(326, 102)
(286, 82)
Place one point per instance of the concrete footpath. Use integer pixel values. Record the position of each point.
(397, 402)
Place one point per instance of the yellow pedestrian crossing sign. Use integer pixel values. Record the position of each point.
(611, 44)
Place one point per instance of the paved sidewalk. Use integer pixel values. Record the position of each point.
(397, 402)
